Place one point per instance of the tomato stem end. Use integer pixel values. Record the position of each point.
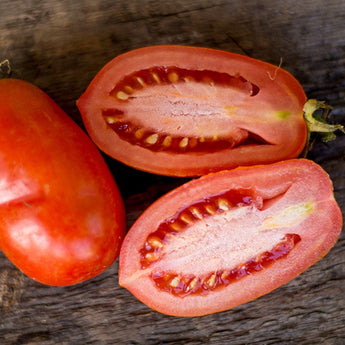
(318, 124)
(5, 68)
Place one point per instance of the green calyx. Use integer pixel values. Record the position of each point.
(5, 68)
(317, 123)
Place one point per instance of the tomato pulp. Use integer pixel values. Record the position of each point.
(188, 111)
(62, 217)
(229, 237)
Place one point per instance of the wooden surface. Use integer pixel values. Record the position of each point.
(60, 45)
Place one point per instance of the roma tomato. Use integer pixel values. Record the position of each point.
(229, 237)
(188, 111)
(62, 218)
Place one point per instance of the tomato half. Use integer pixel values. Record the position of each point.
(229, 237)
(188, 111)
(62, 217)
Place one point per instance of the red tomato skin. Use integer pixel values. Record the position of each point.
(319, 236)
(62, 217)
(263, 114)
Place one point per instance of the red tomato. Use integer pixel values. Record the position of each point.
(187, 111)
(62, 216)
(229, 237)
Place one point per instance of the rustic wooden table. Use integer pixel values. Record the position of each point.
(60, 45)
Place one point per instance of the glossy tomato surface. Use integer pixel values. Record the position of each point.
(229, 237)
(188, 111)
(62, 217)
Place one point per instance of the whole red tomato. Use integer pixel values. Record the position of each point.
(62, 218)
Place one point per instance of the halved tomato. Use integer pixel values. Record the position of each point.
(229, 237)
(62, 218)
(188, 111)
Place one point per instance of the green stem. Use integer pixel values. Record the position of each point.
(318, 124)
(5, 68)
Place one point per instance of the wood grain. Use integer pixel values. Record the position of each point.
(60, 46)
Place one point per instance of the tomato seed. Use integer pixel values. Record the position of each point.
(210, 209)
(174, 282)
(128, 89)
(152, 139)
(185, 217)
(223, 204)
(151, 256)
(173, 77)
(140, 81)
(167, 141)
(196, 212)
(192, 284)
(154, 242)
(111, 119)
(224, 275)
(184, 143)
(177, 226)
(123, 96)
(211, 281)
(156, 77)
(139, 133)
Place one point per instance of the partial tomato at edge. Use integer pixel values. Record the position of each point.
(230, 237)
(62, 217)
(189, 111)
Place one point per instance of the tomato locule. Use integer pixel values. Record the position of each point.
(229, 237)
(189, 111)
(62, 217)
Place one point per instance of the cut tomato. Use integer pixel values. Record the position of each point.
(229, 237)
(187, 111)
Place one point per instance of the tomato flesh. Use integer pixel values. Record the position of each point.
(62, 217)
(186, 111)
(191, 284)
(230, 237)
(187, 216)
(169, 79)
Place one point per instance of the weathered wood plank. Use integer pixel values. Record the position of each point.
(60, 45)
